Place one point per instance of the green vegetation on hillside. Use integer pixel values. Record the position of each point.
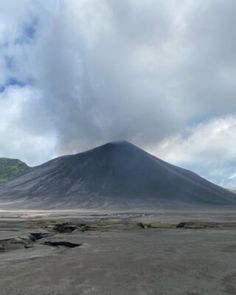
(11, 168)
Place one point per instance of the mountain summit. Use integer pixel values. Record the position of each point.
(114, 175)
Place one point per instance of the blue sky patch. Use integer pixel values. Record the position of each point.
(29, 31)
(9, 62)
(12, 82)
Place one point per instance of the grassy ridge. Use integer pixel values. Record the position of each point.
(11, 168)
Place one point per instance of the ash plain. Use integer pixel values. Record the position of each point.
(115, 255)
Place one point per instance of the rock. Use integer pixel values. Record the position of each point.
(61, 243)
(84, 227)
(142, 225)
(38, 235)
(181, 225)
(15, 243)
(197, 225)
(65, 228)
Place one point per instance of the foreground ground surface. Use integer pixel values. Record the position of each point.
(118, 258)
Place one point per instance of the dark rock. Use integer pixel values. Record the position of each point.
(142, 225)
(181, 225)
(15, 243)
(84, 227)
(27, 246)
(38, 235)
(61, 243)
(197, 225)
(65, 228)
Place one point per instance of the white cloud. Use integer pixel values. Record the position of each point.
(208, 148)
(18, 138)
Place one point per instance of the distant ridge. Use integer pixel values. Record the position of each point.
(114, 175)
(11, 168)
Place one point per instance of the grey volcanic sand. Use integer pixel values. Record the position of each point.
(122, 262)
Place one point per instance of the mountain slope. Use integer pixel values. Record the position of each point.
(11, 168)
(115, 175)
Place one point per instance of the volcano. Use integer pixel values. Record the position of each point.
(115, 175)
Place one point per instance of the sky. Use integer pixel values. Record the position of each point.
(161, 74)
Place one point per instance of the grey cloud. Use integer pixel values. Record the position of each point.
(131, 69)
(208, 70)
(96, 87)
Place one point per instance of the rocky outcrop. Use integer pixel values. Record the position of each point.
(15, 243)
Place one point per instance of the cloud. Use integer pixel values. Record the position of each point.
(96, 78)
(133, 70)
(19, 138)
(103, 70)
(208, 148)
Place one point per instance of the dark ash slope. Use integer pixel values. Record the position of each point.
(115, 175)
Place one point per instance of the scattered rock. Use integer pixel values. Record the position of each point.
(196, 225)
(65, 228)
(38, 235)
(84, 227)
(27, 241)
(61, 243)
(15, 243)
(142, 225)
